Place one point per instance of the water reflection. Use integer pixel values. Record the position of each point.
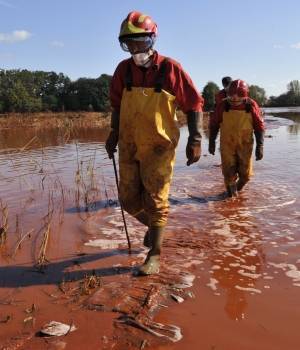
(294, 129)
(237, 258)
(17, 138)
(73, 174)
(278, 117)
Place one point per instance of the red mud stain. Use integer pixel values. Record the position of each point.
(234, 264)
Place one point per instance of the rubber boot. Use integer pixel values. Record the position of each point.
(152, 262)
(143, 218)
(232, 190)
(240, 184)
(147, 239)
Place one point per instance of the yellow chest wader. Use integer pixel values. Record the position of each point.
(148, 136)
(236, 144)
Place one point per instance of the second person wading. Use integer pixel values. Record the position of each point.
(237, 117)
(145, 91)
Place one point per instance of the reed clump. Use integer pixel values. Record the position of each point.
(4, 222)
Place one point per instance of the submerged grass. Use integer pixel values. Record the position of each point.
(4, 222)
(48, 120)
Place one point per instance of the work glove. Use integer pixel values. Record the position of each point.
(259, 150)
(111, 143)
(113, 137)
(212, 141)
(193, 152)
(193, 147)
(212, 147)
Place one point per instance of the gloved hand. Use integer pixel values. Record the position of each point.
(193, 147)
(259, 152)
(111, 143)
(193, 152)
(213, 133)
(212, 147)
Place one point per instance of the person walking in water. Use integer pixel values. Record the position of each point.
(145, 92)
(222, 94)
(237, 117)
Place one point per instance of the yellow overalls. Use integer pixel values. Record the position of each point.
(236, 144)
(148, 136)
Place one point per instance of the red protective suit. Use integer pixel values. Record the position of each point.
(177, 82)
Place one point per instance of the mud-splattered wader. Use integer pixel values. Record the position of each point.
(148, 136)
(236, 144)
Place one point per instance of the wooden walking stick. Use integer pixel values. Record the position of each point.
(122, 210)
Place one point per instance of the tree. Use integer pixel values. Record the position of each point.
(294, 92)
(89, 94)
(50, 103)
(294, 87)
(209, 92)
(104, 82)
(19, 100)
(258, 94)
(25, 91)
(290, 98)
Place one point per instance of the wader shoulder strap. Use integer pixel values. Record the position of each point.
(227, 106)
(161, 76)
(128, 78)
(248, 107)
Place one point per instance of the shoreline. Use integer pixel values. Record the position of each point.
(48, 120)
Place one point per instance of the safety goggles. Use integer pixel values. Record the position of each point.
(236, 100)
(138, 44)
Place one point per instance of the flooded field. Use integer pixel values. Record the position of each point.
(230, 276)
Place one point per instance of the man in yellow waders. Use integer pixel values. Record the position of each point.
(145, 92)
(237, 117)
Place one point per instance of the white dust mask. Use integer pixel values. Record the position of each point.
(143, 59)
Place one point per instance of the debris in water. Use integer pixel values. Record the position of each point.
(6, 319)
(186, 281)
(144, 343)
(169, 332)
(253, 290)
(177, 298)
(31, 309)
(57, 329)
(29, 320)
(105, 243)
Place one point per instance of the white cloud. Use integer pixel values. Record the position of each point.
(15, 36)
(296, 46)
(56, 43)
(277, 46)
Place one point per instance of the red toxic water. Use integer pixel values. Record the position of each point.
(230, 275)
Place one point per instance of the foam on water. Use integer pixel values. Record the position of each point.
(247, 289)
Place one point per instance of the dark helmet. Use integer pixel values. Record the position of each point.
(226, 81)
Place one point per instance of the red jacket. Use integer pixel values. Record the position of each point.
(216, 118)
(177, 82)
(220, 96)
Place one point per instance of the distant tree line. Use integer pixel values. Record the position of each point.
(26, 91)
(290, 98)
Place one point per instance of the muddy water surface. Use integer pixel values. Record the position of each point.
(234, 264)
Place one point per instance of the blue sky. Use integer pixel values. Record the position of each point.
(258, 40)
